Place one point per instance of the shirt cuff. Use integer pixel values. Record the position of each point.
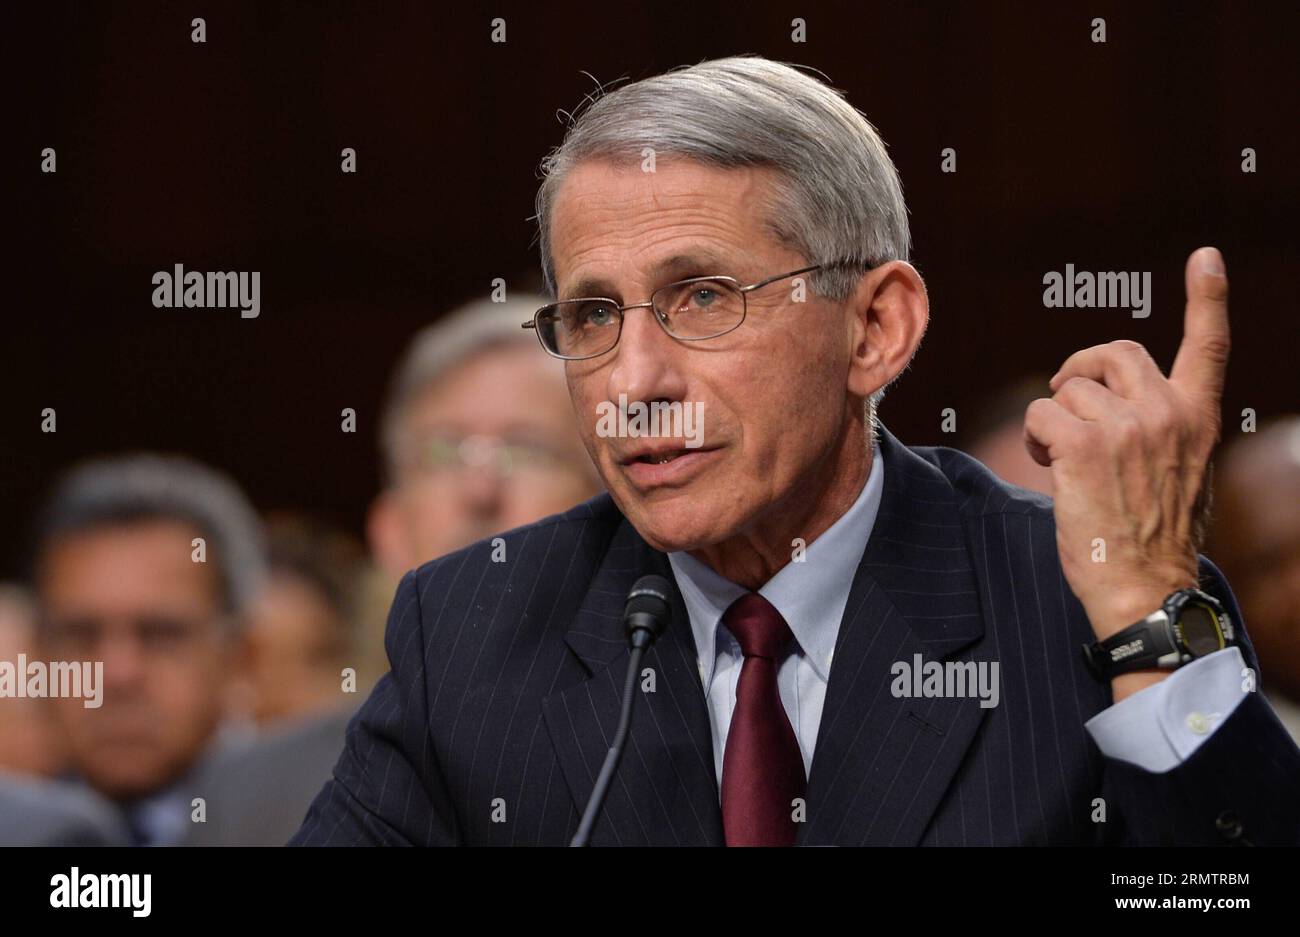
(1160, 726)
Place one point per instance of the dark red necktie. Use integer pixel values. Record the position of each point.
(762, 770)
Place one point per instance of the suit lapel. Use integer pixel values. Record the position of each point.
(882, 763)
(665, 792)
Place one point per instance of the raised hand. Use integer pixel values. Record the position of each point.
(1129, 451)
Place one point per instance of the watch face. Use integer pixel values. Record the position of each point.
(1200, 629)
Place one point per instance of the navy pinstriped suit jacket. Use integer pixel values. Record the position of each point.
(506, 677)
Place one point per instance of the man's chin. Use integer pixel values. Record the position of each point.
(676, 528)
(125, 786)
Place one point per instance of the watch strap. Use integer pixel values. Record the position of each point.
(1143, 645)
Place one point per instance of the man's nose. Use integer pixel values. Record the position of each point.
(647, 362)
(123, 657)
(483, 489)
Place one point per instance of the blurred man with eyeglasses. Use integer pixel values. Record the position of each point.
(477, 437)
(147, 563)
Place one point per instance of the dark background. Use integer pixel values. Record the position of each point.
(225, 156)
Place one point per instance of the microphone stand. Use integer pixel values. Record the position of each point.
(615, 753)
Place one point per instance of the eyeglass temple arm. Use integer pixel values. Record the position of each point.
(780, 276)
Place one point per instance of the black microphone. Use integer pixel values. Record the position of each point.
(646, 616)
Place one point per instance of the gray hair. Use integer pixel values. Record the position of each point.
(838, 200)
(128, 489)
(436, 349)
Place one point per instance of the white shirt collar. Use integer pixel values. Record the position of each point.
(810, 595)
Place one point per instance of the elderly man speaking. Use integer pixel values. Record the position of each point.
(868, 643)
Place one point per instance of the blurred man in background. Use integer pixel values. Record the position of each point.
(477, 437)
(302, 624)
(994, 434)
(29, 741)
(146, 564)
(302, 639)
(1256, 540)
(33, 810)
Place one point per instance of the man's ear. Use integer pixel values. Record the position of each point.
(387, 536)
(889, 313)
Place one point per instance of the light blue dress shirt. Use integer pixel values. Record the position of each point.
(1156, 728)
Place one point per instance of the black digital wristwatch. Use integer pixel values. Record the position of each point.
(1190, 624)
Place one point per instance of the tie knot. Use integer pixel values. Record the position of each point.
(758, 626)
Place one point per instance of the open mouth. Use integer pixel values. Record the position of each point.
(667, 467)
(660, 458)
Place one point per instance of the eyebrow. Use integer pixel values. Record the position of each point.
(695, 262)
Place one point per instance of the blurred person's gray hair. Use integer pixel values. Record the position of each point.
(838, 198)
(462, 334)
(122, 490)
(17, 599)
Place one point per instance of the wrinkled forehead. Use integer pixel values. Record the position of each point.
(617, 225)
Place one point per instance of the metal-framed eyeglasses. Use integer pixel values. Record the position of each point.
(690, 310)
